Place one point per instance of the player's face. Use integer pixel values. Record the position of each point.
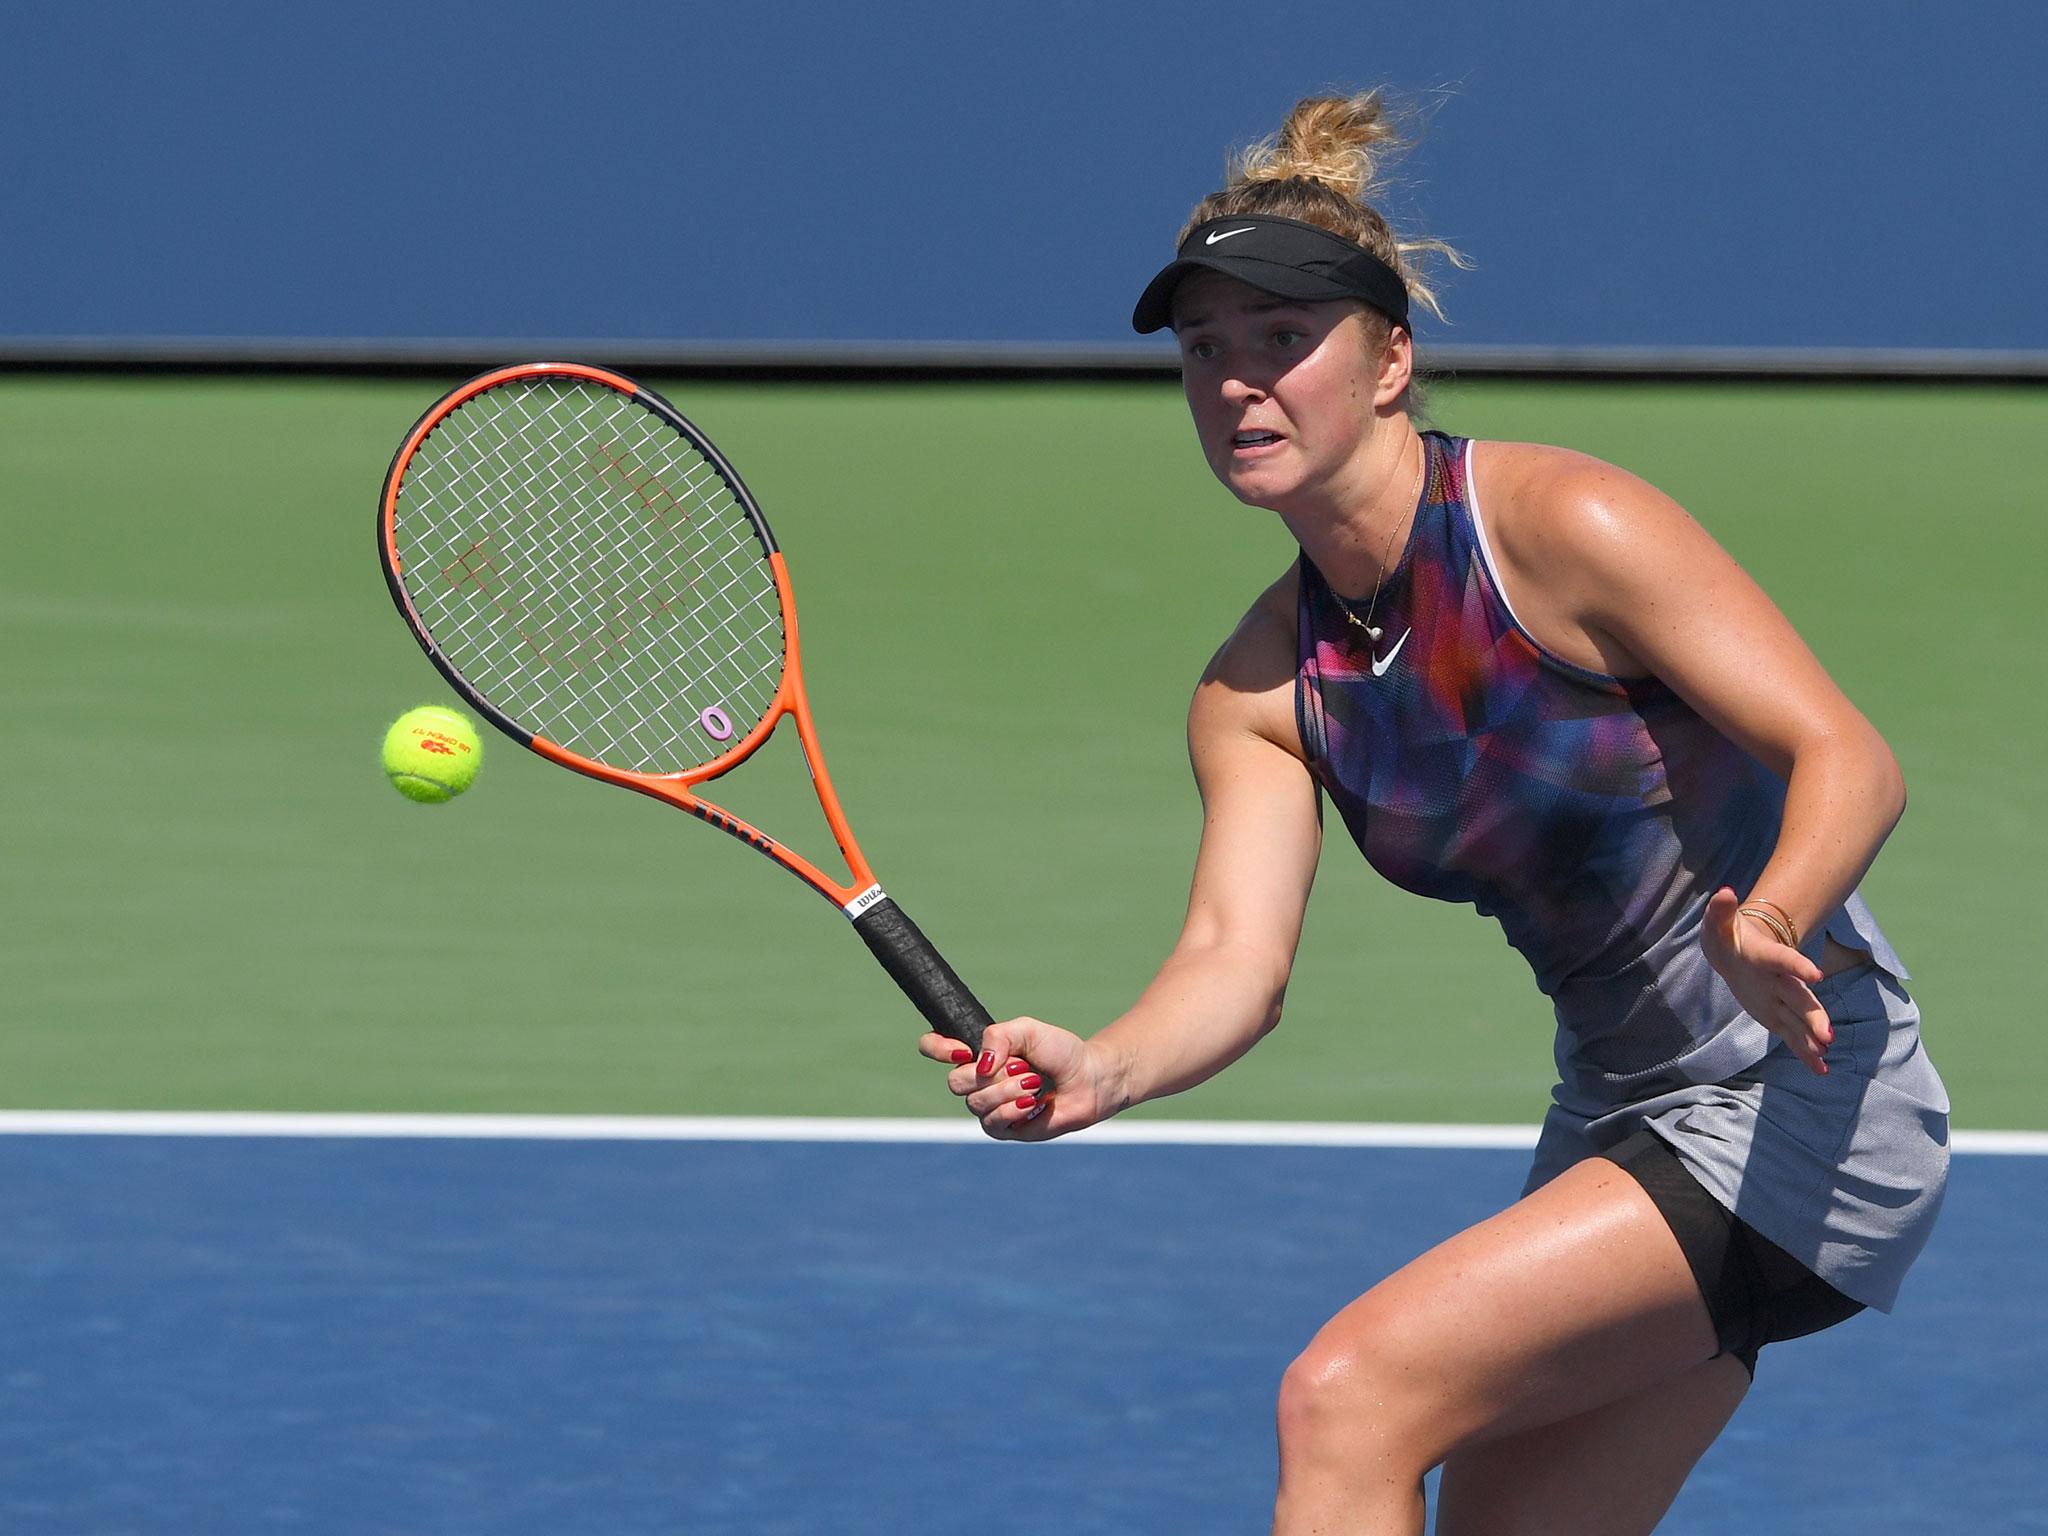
(1282, 391)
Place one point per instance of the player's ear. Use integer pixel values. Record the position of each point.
(1396, 368)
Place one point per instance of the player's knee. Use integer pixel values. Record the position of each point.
(1309, 1392)
(1345, 1395)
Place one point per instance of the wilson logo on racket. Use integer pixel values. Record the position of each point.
(589, 572)
(643, 485)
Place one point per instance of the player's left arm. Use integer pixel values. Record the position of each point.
(1657, 594)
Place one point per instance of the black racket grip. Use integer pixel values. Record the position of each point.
(921, 971)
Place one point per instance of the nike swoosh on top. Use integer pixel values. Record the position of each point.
(1380, 665)
(1225, 234)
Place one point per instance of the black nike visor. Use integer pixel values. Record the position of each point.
(1284, 257)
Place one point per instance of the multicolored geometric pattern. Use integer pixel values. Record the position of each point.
(1592, 816)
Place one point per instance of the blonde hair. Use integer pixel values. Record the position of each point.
(1327, 159)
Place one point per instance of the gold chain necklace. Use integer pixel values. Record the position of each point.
(1414, 496)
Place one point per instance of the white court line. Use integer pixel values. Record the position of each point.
(94, 1122)
(1242, 1133)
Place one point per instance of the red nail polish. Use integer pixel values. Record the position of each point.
(1026, 1102)
(988, 1063)
(962, 1056)
(1017, 1066)
(1034, 1082)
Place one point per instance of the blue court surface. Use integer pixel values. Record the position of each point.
(226, 1334)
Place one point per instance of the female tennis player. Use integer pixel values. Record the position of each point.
(1529, 681)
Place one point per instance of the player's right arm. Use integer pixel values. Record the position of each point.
(1222, 986)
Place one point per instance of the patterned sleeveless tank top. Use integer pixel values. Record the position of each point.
(1592, 816)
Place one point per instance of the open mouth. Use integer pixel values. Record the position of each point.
(1253, 439)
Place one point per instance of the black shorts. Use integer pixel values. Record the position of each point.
(1756, 1292)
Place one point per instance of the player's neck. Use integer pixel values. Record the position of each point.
(1354, 535)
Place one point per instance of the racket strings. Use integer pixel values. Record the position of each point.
(592, 574)
(706, 630)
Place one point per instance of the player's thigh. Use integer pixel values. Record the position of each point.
(1611, 1471)
(1575, 1296)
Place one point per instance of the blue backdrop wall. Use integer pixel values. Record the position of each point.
(1756, 174)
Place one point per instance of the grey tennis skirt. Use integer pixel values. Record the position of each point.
(1844, 1172)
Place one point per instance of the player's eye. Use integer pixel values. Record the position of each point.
(1203, 349)
(1288, 336)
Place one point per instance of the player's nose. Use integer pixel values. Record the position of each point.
(1243, 388)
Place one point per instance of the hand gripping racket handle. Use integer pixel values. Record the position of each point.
(907, 955)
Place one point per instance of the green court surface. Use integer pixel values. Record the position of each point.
(212, 900)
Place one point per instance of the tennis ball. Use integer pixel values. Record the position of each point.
(431, 754)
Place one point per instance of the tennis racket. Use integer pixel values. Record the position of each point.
(589, 572)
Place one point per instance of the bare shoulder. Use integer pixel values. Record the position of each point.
(1588, 552)
(1248, 686)
(1548, 510)
(1606, 569)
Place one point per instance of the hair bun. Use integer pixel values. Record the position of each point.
(1335, 140)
